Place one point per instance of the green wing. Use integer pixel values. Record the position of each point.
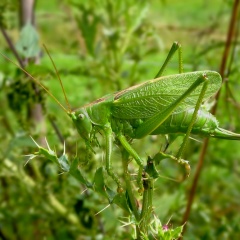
(143, 100)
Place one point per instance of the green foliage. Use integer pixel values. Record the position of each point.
(28, 43)
(165, 232)
(100, 47)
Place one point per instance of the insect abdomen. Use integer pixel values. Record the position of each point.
(204, 125)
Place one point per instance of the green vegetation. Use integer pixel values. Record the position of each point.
(100, 47)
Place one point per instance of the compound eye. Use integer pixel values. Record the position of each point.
(81, 116)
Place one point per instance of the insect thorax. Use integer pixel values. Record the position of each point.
(100, 111)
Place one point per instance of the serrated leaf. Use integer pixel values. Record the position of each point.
(64, 164)
(49, 154)
(101, 187)
(99, 184)
(75, 172)
(121, 201)
(176, 232)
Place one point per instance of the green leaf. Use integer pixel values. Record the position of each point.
(88, 23)
(121, 201)
(28, 43)
(151, 169)
(101, 187)
(176, 233)
(49, 154)
(75, 172)
(63, 161)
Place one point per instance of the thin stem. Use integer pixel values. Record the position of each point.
(195, 182)
(150, 196)
(145, 198)
(147, 204)
(56, 129)
(127, 179)
(11, 46)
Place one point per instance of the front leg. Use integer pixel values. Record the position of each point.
(134, 154)
(108, 136)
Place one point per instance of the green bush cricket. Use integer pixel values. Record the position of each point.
(165, 105)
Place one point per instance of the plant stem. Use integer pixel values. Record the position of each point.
(147, 204)
(129, 189)
(143, 223)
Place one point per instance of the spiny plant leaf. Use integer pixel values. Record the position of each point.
(75, 172)
(100, 185)
(121, 201)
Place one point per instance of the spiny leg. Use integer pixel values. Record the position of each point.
(186, 137)
(108, 135)
(176, 46)
(173, 49)
(194, 116)
(157, 119)
(134, 154)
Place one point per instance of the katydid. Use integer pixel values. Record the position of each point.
(165, 105)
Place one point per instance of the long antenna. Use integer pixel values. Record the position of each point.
(36, 81)
(58, 76)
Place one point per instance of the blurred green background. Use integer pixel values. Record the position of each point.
(100, 47)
